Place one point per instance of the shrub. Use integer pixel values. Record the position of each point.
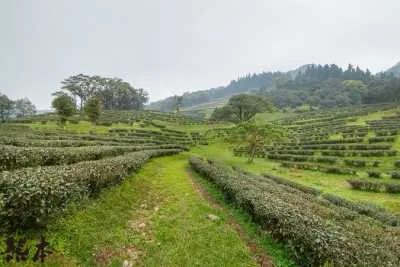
(365, 185)
(374, 174)
(395, 175)
(367, 209)
(376, 163)
(317, 233)
(393, 188)
(31, 195)
(16, 157)
(325, 159)
(397, 163)
(355, 163)
(303, 188)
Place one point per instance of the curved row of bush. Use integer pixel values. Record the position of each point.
(374, 186)
(318, 233)
(316, 167)
(381, 139)
(31, 195)
(336, 147)
(360, 153)
(367, 209)
(56, 143)
(19, 157)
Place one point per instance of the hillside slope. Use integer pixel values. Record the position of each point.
(395, 70)
(241, 85)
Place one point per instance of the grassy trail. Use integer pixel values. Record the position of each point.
(154, 218)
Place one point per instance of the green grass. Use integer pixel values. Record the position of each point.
(331, 183)
(154, 218)
(253, 232)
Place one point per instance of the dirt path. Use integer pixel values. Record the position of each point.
(258, 253)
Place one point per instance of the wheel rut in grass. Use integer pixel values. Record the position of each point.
(258, 253)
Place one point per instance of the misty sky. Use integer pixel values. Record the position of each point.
(169, 47)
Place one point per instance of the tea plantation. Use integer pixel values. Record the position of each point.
(160, 189)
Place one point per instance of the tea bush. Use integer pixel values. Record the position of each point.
(30, 195)
(319, 234)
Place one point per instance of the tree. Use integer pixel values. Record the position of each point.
(178, 103)
(93, 109)
(64, 106)
(256, 136)
(222, 114)
(114, 93)
(78, 87)
(6, 107)
(24, 107)
(243, 107)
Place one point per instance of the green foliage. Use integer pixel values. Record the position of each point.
(367, 209)
(303, 188)
(114, 93)
(93, 108)
(329, 86)
(30, 195)
(64, 106)
(19, 108)
(255, 136)
(395, 174)
(242, 108)
(178, 103)
(6, 107)
(12, 158)
(397, 163)
(24, 107)
(374, 174)
(373, 186)
(319, 234)
(241, 85)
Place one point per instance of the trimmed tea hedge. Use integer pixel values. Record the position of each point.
(18, 157)
(30, 195)
(374, 186)
(318, 234)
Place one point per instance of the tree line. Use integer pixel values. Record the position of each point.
(322, 86)
(114, 93)
(15, 108)
(330, 86)
(91, 94)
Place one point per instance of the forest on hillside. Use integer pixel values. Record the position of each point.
(321, 86)
(330, 86)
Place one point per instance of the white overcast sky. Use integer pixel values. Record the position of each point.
(172, 46)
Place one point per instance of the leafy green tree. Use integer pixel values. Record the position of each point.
(6, 107)
(222, 114)
(93, 108)
(242, 108)
(178, 103)
(64, 106)
(115, 93)
(255, 136)
(24, 107)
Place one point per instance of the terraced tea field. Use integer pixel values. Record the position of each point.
(150, 188)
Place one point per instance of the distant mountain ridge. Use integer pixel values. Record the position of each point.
(395, 70)
(268, 83)
(244, 84)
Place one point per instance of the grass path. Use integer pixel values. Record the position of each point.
(154, 218)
